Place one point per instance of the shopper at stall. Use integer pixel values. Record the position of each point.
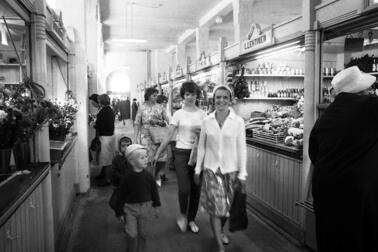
(104, 126)
(134, 109)
(343, 148)
(186, 123)
(94, 146)
(222, 160)
(150, 114)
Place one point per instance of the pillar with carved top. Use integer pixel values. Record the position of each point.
(202, 41)
(310, 89)
(39, 75)
(242, 12)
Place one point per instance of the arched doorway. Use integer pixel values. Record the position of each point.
(118, 84)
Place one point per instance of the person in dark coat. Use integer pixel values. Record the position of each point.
(120, 164)
(104, 126)
(343, 148)
(134, 109)
(124, 109)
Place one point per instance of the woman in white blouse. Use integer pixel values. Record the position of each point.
(222, 159)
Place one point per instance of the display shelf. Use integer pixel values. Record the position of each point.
(373, 73)
(9, 83)
(11, 65)
(272, 98)
(327, 77)
(271, 75)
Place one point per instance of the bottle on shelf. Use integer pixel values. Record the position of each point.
(374, 66)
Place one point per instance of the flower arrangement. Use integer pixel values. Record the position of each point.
(61, 123)
(20, 116)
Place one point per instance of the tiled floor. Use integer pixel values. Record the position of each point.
(95, 228)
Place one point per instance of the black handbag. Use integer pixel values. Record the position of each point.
(238, 213)
(95, 145)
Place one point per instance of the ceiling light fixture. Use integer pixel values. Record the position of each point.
(127, 40)
(145, 5)
(218, 20)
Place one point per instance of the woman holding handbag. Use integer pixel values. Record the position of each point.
(150, 121)
(104, 126)
(222, 160)
(186, 122)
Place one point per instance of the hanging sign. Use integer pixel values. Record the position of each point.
(256, 39)
(179, 71)
(203, 61)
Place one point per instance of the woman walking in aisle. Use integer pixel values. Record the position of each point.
(186, 122)
(150, 114)
(104, 126)
(222, 159)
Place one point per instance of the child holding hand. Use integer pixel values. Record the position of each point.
(137, 197)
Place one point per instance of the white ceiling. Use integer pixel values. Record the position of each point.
(162, 26)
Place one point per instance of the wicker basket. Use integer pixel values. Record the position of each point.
(268, 137)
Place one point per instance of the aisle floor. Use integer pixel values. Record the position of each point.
(96, 229)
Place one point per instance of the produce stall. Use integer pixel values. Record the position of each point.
(268, 83)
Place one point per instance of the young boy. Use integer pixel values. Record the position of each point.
(120, 164)
(137, 195)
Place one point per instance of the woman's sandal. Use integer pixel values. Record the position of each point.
(182, 223)
(225, 239)
(193, 227)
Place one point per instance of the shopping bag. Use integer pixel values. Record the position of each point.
(238, 213)
(158, 134)
(95, 145)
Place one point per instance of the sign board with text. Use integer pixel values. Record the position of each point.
(256, 39)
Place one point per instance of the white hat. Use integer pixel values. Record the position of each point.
(223, 86)
(352, 80)
(133, 147)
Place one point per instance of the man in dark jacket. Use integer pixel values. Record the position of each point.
(344, 150)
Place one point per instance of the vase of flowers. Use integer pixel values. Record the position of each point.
(8, 129)
(60, 124)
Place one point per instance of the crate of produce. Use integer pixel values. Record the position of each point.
(268, 137)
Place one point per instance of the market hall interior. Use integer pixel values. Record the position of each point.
(62, 61)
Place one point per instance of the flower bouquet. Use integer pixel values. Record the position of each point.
(61, 123)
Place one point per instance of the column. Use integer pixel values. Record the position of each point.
(310, 88)
(202, 41)
(39, 71)
(242, 10)
(180, 56)
(148, 54)
(222, 63)
(78, 78)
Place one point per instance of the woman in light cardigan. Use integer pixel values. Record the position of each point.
(222, 159)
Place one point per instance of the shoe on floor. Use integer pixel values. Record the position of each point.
(158, 183)
(193, 227)
(182, 223)
(225, 239)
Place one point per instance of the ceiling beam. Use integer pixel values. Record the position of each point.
(221, 9)
(187, 36)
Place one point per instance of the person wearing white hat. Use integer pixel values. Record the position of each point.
(222, 160)
(343, 148)
(136, 196)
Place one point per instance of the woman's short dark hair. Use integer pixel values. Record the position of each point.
(94, 97)
(190, 87)
(161, 98)
(104, 100)
(148, 92)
